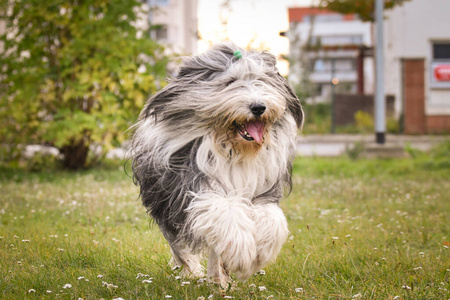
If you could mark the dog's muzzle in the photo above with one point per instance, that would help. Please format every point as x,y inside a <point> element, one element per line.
<point>251,131</point>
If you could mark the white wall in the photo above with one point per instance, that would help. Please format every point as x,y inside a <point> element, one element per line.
<point>180,16</point>
<point>409,30</point>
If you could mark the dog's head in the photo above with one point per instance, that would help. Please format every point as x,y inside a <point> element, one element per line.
<point>236,95</point>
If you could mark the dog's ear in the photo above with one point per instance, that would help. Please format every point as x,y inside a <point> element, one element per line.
<point>293,104</point>
<point>157,104</point>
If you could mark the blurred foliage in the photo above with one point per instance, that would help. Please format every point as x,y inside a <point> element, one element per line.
<point>363,8</point>
<point>317,118</point>
<point>318,121</point>
<point>363,121</point>
<point>75,75</point>
<point>435,159</point>
<point>355,151</point>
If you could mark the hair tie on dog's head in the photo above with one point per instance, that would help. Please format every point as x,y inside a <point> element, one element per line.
<point>237,54</point>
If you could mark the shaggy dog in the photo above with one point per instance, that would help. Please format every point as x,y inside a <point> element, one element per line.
<point>212,153</point>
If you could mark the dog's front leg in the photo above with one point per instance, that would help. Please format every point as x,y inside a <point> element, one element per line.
<point>217,272</point>
<point>224,225</point>
<point>271,232</point>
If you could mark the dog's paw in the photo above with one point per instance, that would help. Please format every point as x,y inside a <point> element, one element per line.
<point>224,281</point>
<point>197,272</point>
<point>240,254</point>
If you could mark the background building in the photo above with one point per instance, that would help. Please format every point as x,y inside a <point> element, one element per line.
<point>326,45</point>
<point>175,24</point>
<point>417,64</point>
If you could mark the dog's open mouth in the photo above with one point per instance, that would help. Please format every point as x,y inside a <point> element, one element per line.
<point>251,131</point>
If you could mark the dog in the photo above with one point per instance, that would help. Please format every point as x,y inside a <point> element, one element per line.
<point>212,154</point>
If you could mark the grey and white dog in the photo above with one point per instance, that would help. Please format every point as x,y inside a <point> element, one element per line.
<point>212,153</point>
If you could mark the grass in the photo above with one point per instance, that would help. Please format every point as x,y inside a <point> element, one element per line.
<point>360,229</point>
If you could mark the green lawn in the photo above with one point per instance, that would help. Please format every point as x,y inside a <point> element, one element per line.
<point>360,229</point>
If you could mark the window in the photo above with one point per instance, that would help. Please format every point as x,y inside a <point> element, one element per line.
<point>336,40</point>
<point>158,2</point>
<point>325,18</point>
<point>440,65</point>
<point>441,51</point>
<point>160,32</point>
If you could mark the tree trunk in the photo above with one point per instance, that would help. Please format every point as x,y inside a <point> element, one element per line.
<point>75,155</point>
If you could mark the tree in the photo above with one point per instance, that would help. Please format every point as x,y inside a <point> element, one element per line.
<point>74,75</point>
<point>363,8</point>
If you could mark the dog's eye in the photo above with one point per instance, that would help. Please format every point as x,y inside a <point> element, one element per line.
<point>231,82</point>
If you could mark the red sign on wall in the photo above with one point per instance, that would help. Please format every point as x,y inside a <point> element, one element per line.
<point>441,72</point>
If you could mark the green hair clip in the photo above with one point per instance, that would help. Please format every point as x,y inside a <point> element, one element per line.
<point>237,54</point>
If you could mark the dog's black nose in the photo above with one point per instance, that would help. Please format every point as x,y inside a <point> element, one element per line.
<point>258,109</point>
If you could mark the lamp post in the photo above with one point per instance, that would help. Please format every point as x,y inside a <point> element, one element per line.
<point>334,83</point>
<point>380,102</point>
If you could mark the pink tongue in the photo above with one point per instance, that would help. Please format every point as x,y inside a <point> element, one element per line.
<point>256,130</point>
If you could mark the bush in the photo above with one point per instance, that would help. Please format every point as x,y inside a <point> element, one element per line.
<point>317,118</point>
<point>75,74</point>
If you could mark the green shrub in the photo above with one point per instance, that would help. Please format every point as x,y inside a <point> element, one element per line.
<point>363,122</point>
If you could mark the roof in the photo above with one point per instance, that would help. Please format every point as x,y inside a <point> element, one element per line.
<point>297,14</point>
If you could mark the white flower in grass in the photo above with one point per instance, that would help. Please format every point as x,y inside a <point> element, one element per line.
<point>261,272</point>
<point>357,296</point>
<point>421,254</point>
<point>262,288</point>
<point>31,291</point>
<point>201,298</point>
<point>270,297</point>
<point>299,290</point>
<point>48,291</point>
<point>335,238</point>
<point>406,287</point>
<point>177,277</point>
<point>168,296</point>
<point>118,298</point>
<point>99,276</point>
<point>183,283</point>
<point>26,241</point>
<point>228,297</point>
<point>146,281</point>
<point>210,296</point>
<point>67,286</point>
<point>80,277</point>
<point>418,268</point>
<point>396,297</point>
<point>202,280</point>
<point>109,286</point>
<point>139,275</point>
<point>252,285</point>
<point>61,250</point>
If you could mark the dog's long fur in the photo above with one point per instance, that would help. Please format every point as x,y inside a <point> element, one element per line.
<point>211,168</point>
